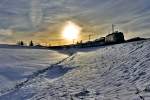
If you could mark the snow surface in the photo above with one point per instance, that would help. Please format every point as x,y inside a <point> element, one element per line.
<point>17,64</point>
<point>117,72</point>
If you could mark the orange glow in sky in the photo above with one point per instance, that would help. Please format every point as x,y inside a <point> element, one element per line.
<point>71,31</point>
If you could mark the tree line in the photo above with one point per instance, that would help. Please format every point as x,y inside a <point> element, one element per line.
<point>21,43</point>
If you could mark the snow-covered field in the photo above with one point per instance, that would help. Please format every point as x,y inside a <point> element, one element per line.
<point>17,64</point>
<point>117,72</point>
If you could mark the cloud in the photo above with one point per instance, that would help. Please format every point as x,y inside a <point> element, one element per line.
<point>47,16</point>
<point>6,32</point>
<point>129,15</point>
<point>36,13</point>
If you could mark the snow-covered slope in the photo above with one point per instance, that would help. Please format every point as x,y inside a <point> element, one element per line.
<point>117,72</point>
<point>17,64</point>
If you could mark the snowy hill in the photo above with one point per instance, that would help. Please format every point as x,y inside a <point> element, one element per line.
<point>117,72</point>
<point>17,64</point>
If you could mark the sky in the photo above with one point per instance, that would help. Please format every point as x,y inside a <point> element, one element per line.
<point>42,20</point>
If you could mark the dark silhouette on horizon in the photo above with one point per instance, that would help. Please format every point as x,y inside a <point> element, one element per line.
<point>31,43</point>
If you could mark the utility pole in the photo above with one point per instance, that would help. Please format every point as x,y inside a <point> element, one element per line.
<point>90,37</point>
<point>73,41</point>
<point>113,28</point>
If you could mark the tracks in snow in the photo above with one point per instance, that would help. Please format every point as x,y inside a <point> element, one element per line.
<point>34,75</point>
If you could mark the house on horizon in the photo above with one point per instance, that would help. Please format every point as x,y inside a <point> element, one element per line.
<point>115,37</point>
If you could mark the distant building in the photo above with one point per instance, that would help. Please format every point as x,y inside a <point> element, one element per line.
<point>102,39</point>
<point>135,39</point>
<point>115,37</point>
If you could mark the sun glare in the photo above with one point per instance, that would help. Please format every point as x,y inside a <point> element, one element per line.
<point>71,31</point>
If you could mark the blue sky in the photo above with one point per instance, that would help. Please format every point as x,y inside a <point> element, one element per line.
<point>43,19</point>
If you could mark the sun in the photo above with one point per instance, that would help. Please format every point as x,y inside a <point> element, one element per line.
<point>71,31</point>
